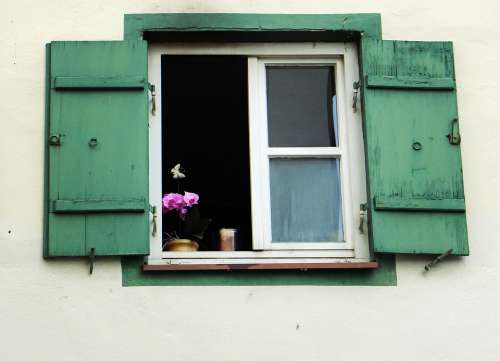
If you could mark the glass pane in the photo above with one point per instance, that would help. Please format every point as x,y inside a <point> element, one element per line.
<point>300,106</point>
<point>305,200</point>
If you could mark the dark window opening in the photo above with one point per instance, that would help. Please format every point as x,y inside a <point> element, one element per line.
<point>205,129</point>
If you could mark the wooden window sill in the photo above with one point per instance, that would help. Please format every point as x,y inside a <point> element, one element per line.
<point>259,266</point>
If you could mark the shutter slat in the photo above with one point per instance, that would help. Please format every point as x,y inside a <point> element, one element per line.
<point>376,81</point>
<point>124,82</point>
<point>98,206</point>
<point>415,204</point>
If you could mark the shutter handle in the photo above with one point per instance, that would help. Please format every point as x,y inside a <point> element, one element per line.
<point>55,139</point>
<point>92,142</point>
<point>454,135</point>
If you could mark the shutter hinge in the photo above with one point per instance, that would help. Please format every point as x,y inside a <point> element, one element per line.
<point>356,85</point>
<point>152,89</point>
<point>154,212</point>
<point>439,258</point>
<point>363,207</point>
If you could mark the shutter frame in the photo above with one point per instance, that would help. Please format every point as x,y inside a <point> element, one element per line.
<point>414,173</point>
<point>96,149</point>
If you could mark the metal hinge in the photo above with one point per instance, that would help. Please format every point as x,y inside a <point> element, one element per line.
<point>152,89</point>
<point>363,207</point>
<point>356,85</point>
<point>154,212</point>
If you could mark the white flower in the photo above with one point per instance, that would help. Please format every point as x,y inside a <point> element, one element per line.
<point>176,173</point>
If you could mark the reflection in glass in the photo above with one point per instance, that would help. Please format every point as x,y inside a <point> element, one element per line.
<point>299,106</point>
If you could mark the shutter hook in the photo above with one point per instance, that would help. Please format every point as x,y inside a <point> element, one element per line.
<point>92,260</point>
<point>439,258</point>
<point>152,89</point>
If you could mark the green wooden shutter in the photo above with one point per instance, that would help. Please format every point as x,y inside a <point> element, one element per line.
<point>97,147</point>
<point>416,195</point>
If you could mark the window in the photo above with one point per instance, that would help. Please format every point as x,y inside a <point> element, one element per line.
<point>295,140</point>
<point>99,163</point>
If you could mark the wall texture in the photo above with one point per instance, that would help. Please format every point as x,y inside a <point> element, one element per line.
<point>55,311</point>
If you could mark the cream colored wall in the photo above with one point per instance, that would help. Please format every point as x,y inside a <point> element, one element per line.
<point>55,311</point>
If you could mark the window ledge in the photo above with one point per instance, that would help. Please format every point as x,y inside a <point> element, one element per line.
<point>251,264</point>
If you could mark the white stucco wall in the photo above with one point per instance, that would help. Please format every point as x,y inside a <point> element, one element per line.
<point>55,311</point>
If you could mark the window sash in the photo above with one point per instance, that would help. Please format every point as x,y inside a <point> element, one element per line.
<point>306,53</point>
<point>261,154</point>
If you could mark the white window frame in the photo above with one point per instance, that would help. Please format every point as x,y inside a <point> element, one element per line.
<point>343,56</point>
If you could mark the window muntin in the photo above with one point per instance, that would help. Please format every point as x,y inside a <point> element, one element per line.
<point>333,55</point>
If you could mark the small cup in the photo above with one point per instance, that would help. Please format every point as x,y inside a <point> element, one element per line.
<point>227,237</point>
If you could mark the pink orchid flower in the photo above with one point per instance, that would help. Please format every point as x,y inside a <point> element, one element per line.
<point>191,198</point>
<point>173,201</point>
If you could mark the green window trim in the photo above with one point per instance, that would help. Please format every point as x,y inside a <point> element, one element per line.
<point>343,26</point>
<point>384,275</point>
<point>368,24</point>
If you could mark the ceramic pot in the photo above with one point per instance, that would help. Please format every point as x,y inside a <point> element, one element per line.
<point>182,245</point>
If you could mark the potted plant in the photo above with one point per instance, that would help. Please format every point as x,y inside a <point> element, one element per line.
<point>190,225</point>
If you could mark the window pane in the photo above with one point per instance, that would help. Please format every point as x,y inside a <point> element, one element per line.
<point>305,200</point>
<point>299,106</point>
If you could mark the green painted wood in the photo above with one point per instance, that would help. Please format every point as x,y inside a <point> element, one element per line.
<point>136,24</point>
<point>116,167</point>
<point>384,275</point>
<point>72,82</point>
<point>395,121</point>
<point>375,81</point>
<point>416,204</point>
<point>99,206</point>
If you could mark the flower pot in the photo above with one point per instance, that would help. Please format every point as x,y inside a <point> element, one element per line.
<point>182,245</point>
